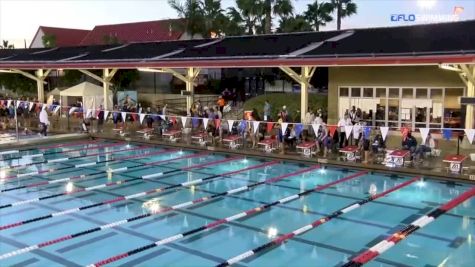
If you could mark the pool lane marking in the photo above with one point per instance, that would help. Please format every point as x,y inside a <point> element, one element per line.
<point>21,166</point>
<point>49,147</point>
<point>279,240</point>
<point>55,146</point>
<point>91,174</point>
<point>395,238</point>
<point>160,211</point>
<point>228,219</point>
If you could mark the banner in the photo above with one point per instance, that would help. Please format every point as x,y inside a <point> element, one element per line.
<point>424,134</point>
<point>316,127</point>
<point>183,121</point>
<point>284,127</point>
<point>205,123</point>
<point>470,134</point>
<point>124,116</point>
<point>384,132</point>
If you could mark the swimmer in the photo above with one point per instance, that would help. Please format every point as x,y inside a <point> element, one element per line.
<point>373,189</point>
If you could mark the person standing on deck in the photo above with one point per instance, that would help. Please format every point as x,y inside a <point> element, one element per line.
<point>44,121</point>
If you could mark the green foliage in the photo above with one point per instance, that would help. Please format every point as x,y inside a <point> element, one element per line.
<point>70,77</point>
<point>318,14</point>
<point>344,8</point>
<point>291,100</point>
<point>294,24</point>
<point>6,45</point>
<point>49,40</point>
<point>18,83</point>
<point>110,40</point>
<point>123,79</point>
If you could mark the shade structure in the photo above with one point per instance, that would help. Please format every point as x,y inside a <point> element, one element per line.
<point>92,95</point>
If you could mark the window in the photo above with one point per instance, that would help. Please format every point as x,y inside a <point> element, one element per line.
<point>407,93</point>
<point>355,92</point>
<point>452,111</point>
<point>436,94</point>
<point>381,92</point>
<point>421,93</point>
<point>367,92</point>
<point>393,93</point>
<point>344,91</point>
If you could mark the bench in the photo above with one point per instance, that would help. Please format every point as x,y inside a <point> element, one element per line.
<point>268,145</point>
<point>172,135</point>
<point>147,133</point>
<point>232,141</point>
<point>307,149</point>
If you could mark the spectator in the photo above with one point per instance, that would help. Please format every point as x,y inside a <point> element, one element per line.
<point>267,110</point>
<point>378,143</point>
<point>44,121</point>
<point>409,143</point>
<point>342,123</point>
<point>428,146</point>
<point>221,103</point>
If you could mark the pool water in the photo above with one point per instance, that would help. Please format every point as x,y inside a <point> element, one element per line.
<point>445,242</point>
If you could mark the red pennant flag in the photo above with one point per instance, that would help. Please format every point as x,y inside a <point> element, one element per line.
<point>134,116</point>
<point>217,123</point>
<point>331,129</point>
<point>173,120</point>
<point>270,125</point>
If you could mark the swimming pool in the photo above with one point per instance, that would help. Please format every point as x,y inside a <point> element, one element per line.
<point>104,202</point>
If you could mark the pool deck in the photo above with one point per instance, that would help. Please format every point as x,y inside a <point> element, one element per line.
<point>430,167</point>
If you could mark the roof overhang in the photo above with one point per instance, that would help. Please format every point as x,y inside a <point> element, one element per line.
<point>248,63</point>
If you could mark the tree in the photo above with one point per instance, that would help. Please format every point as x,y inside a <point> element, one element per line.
<point>344,8</point>
<point>318,14</point>
<point>247,16</point>
<point>213,16</point>
<point>6,45</point>
<point>124,78</point>
<point>281,8</point>
<point>191,13</point>
<point>49,40</point>
<point>110,40</point>
<point>294,24</point>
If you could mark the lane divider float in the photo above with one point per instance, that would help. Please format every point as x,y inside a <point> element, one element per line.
<point>397,237</point>
<point>149,192</point>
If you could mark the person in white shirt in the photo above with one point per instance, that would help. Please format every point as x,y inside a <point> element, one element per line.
<point>345,121</point>
<point>44,121</point>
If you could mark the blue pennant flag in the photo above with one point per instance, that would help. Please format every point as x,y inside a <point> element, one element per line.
<point>447,133</point>
<point>298,129</point>
<point>195,122</point>
<point>242,126</point>
<point>367,132</point>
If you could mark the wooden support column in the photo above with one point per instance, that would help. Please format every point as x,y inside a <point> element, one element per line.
<point>303,79</point>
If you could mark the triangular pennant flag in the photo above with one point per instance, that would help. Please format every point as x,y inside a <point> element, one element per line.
<point>424,134</point>
<point>447,133</point>
<point>134,116</point>
<point>230,125</point>
<point>56,109</point>
<point>470,134</point>
<point>298,129</point>
<point>173,120</point>
<point>8,103</point>
<point>72,110</point>
<point>162,117</point>
<point>205,123</point>
<point>217,123</point>
<point>332,130</point>
<point>384,132</point>
<point>348,129</point>
<point>195,122</point>
<point>367,132</point>
<point>30,106</point>
<point>243,126</point>
<point>106,113</point>
<point>255,125</point>
<point>183,121</point>
<point>18,104</point>
<point>142,116</point>
<point>88,113</point>
<point>356,131</point>
<point>270,125</point>
<point>284,127</point>
<point>316,127</point>
<point>124,116</point>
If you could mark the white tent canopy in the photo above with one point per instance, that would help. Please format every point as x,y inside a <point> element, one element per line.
<point>92,95</point>
<point>55,93</point>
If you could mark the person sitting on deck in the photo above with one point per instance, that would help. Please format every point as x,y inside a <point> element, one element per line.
<point>427,147</point>
<point>290,137</point>
<point>409,143</point>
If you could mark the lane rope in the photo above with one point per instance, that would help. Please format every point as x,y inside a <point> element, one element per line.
<point>114,200</point>
<point>397,237</point>
<point>228,219</point>
<point>279,240</point>
<point>158,211</point>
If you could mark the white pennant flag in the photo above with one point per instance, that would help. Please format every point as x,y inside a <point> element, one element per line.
<point>230,125</point>
<point>470,134</point>
<point>124,115</point>
<point>8,103</point>
<point>106,113</point>
<point>348,129</point>
<point>205,123</point>
<point>89,113</point>
<point>183,121</point>
<point>284,127</point>
<point>162,117</point>
<point>356,131</point>
<point>384,132</point>
<point>142,116</point>
<point>255,124</point>
<point>424,134</point>
<point>30,106</point>
<point>56,109</point>
<point>72,110</point>
<point>18,104</point>
<point>316,127</point>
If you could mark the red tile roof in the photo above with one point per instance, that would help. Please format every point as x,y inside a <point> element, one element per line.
<point>148,31</point>
<point>64,36</point>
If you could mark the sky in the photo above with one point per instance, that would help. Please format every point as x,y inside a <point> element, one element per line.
<point>20,19</point>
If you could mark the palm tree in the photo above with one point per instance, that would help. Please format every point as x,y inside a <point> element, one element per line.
<point>318,14</point>
<point>281,8</point>
<point>344,8</point>
<point>213,17</point>
<point>191,14</point>
<point>294,24</point>
<point>6,45</point>
<point>246,16</point>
